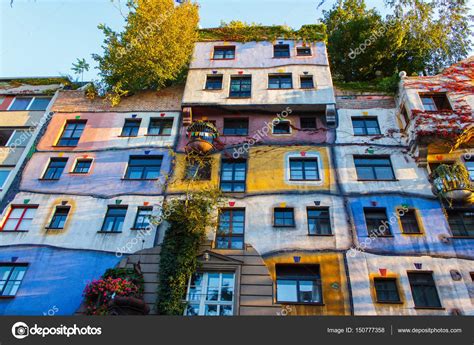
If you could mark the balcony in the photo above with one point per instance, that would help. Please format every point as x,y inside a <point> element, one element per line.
<point>202,136</point>
<point>452,182</point>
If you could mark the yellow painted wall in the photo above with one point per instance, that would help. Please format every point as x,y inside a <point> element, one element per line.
<point>265,171</point>
<point>20,118</point>
<point>10,156</point>
<point>336,300</point>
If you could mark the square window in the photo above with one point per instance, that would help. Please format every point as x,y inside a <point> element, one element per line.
<point>82,166</point>
<point>318,221</point>
<point>143,167</point>
<point>281,51</point>
<point>282,127</point>
<point>71,133</point>
<point>409,222</point>
<point>19,218</point>
<point>374,168</point>
<point>280,81</point>
<point>160,126</point>
<point>224,53</point>
<point>214,82</point>
<point>377,222</point>
<point>435,102</point>
<point>131,127</point>
<point>307,82</point>
<point>283,217</point>
<point>39,103</point>
<point>308,123</point>
<point>114,219</point>
<point>423,288</point>
<point>143,219</point>
<point>386,290</point>
<point>59,218</point>
<point>236,126</point>
<point>304,169</point>
<point>303,51</point>
<point>364,125</point>
<point>20,103</point>
<point>298,284</point>
<point>461,222</point>
<point>11,276</point>
<point>233,176</point>
<point>198,170</point>
<point>55,168</point>
<point>230,231</point>
<point>240,87</point>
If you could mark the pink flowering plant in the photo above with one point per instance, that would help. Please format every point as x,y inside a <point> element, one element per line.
<point>99,292</point>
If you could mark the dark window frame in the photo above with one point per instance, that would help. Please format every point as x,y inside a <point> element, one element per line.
<point>232,121</point>
<point>374,157</point>
<point>279,131</point>
<point>145,168</point>
<point>131,131</point>
<point>364,120</point>
<point>213,80</point>
<point>226,51</point>
<point>378,298</point>
<point>58,217</point>
<point>73,139</point>
<point>77,166</point>
<point>239,81</point>
<point>12,266</point>
<point>233,182</point>
<point>298,278</point>
<point>230,235</point>
<point>281,51</point>
<point>136,224</point>
<point>304,170</point>
<point>165,123</point>
<point>307,118</point>
<point>440,100</point>
<point>370,231</point>
<point>280,79</point>
<point>55,175</point>
<point>417,303</point>
<point>305,49</point>
<point>115,217</point>
<point>307,78</point>
<point>465,231</point>
<point>318,220</point>
<point>412,212</point>
<point>284,210</point>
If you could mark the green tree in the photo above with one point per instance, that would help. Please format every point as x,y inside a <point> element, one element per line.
<point>152,51</point>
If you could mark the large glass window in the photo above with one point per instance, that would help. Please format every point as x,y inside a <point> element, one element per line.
<point>11,276</point>
<point>280,81</point>
<point>365,125</point>
<point>71,133</point>
<point>318,221</point>
<point>240,86</point>
<point>374,168</point>
<point>461,222</point>
<point>19,218</point>
<point>435,102</point>
<point>211,294</point>
<point>131,127</point>
<point>236,126</point>
<point>143,167</point>
<point>214,82</point>
<point>160,127</point>
<point>143,219</point>
<point>281,50</point>
<point>233,175</point>
<point>298,284</point>
<point>377,222</point>
<point>55,168</point>
<point>223,53</point>
<point>20,103</point>
<point>230,231</point>
<point>386,290</point>
<point>283,216</point>
<point>424,290</point>
<point>59,218</point>
<point>114,219</point>
<point>410,222</point>
<point>304,169</point>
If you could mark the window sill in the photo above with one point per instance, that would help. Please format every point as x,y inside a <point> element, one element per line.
<point>430,308</point>
<point>48,179</point>
<point>308,180</point>
<point>61,146</point>
<point>384,236</point>
<point>54,229</point>
<point>109,232</point>
<point>284,226</point>
<point>127,136</point>
<point>12,231</point>
<point>78,173</point>
<point>239,97</point>
<point>213,89</point>
<point>302,303</point>
<point>139,179</point>
<point>321,235</point>
<point>281,57</point>
<point>413,233</point>
<point>388,180</point>
<point>389,302</point>
<point>225,59</point>
<point>280,88</point>
<point>157,135</point>
<point>142,229</point>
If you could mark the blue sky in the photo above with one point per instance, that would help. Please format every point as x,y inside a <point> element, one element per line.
<point>44,37</point>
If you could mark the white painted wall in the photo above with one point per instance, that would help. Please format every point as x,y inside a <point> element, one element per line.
<point>453,294</point>
<point>84,222</point>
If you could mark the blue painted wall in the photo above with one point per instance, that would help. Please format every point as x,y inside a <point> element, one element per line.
<point>55,279</point>
<point>434,224</point>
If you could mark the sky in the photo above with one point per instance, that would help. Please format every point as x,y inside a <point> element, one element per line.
<point>44,37</point>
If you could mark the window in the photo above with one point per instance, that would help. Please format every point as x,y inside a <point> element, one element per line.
<point>59,218</point>
<point>461,222</point>
<point>298,284</point>
<point>307,82</point>
<point>282,127</point>
<point>365,125</point>
<point>55,168</point>
<point>410,223</point>
<point>230,232</point>
<point>19,218</point>
<point>424,290</point>
<point>199,170</point>
<point>214,82</point>
<point>308,123</point>
<point>377,222</point>
<point>236,126</point>
<point>435,102</point>
<point>82,166</point>
<point>143,167</point>
<point>71,133</point>
<point>5,135</point>
<point>18,138</point>
<point>386,290</point>
<point>233,175</point>
<point>304,169</point>
<point>470,168</point>
<point>39,103</point>
<point>280,81</point>
<point>11,276</point>
<point>131,127</point>
<point>318,221</point>
<point>303,51</point>
<point>281,50</point>
<point>20,103</point>
<point>240,86</point>
<point>114,219</point>
<point>4,174</point>
<point>374,168</point>
<point>223,53</point>
<point>283,217</point>
<point>142,221</point>
<point>160,127</point>
<point>210,294</point>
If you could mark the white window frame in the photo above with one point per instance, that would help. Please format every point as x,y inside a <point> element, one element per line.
<point>283,134</point>
<point>29,104</point>
<point>308,154</point>
<point>202,299</point>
